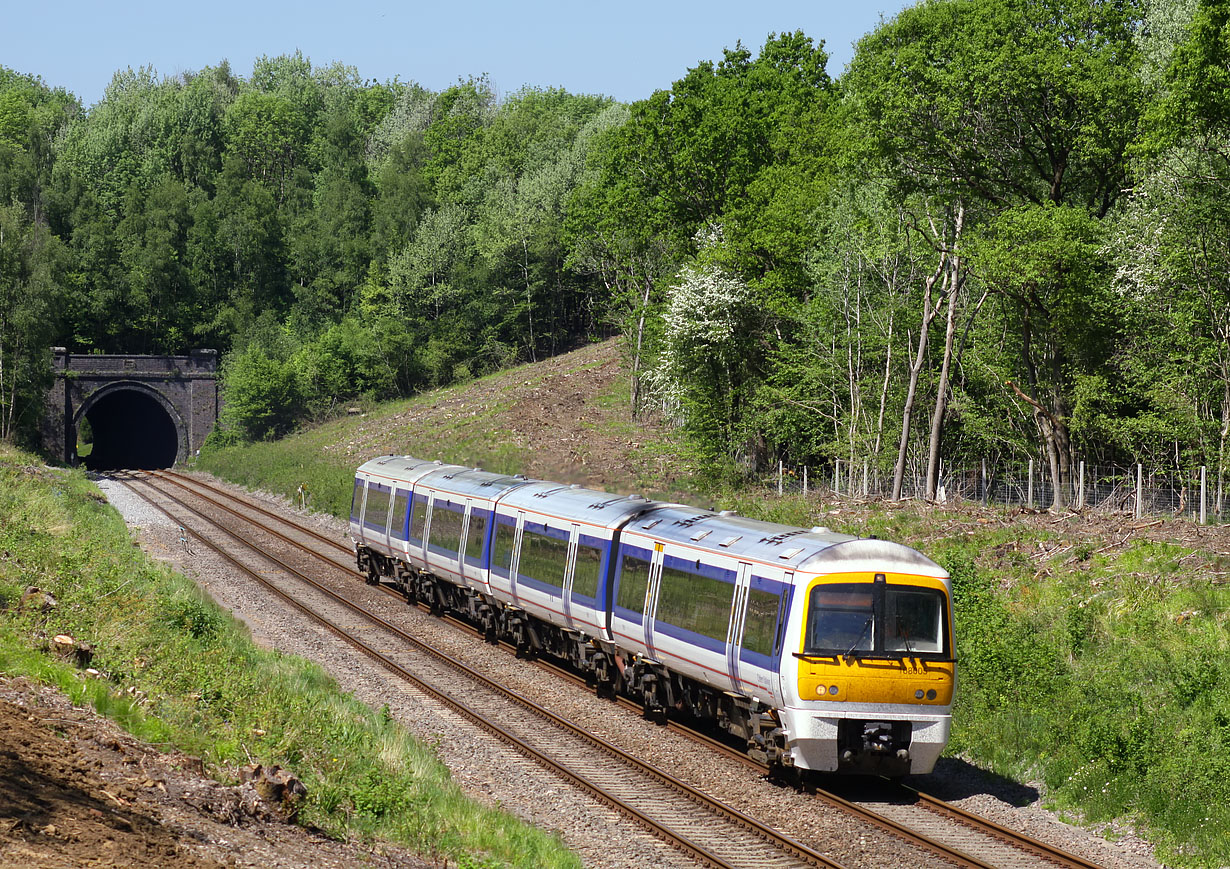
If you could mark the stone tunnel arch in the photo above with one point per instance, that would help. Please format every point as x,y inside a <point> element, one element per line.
<point>129,431</point>
<point>148,411</point>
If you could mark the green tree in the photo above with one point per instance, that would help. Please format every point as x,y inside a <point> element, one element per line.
<point>985,105</point>
<point>268,135</point>
<point>1171,252</point>
<point>31,263</point>
<point>261,392</point>
<point>703,373</point>
<point>1053,294</point>
<point>740,147</point>
<point>159,309</point>
<point>32,118</point>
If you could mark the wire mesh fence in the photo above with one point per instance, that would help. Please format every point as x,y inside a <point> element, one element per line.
<point>1198,494</point>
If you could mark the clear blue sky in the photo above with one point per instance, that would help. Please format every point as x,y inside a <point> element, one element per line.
<point>625,49</point>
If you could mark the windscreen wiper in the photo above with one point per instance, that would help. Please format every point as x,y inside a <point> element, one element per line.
<point>849,656</point>
<point>904,633</point>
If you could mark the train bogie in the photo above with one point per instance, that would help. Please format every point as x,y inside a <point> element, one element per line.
<point>822,651</point>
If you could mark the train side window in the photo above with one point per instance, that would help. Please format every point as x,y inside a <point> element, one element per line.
<point>376,514</point>
<point>633,581</point>
<point>544,554</point>
<point>588,567</point>
<point>446,521</point>
<point>476,536</point>
<point>502,544</point>
<point>418,517</point>
<point>695,602</point>
<point>356,500</point>
<point>401,500</point>
<point>760,623</point>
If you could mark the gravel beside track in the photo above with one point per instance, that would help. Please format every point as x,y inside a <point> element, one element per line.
<point>492,772</point>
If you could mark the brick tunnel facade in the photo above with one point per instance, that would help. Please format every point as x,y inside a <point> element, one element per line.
<point>141,411</point>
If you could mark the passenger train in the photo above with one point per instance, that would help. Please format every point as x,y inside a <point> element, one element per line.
<point>823,651</point>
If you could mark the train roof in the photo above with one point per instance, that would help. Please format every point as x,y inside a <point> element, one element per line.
<point>870,555</point>
<point>736,536</point>
<point>577,504</point>
<point>404,469</point>
<point>816,550</point>
<point>800,549</point>
<point>471,482</point>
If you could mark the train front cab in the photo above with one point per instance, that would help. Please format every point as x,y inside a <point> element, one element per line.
<point>869,689</point>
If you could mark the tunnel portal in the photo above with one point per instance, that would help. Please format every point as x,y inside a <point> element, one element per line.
<point>130,430</point>
<point>138,411</point>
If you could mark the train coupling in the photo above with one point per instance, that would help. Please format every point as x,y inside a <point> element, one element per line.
<point>875,747</point>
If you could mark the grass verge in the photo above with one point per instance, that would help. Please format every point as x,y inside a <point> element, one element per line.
<point>212,693</point>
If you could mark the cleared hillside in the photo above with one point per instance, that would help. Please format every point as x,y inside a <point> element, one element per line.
<point>565,418</point>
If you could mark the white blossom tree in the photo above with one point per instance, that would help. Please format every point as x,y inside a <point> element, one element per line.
<point>703,372</point>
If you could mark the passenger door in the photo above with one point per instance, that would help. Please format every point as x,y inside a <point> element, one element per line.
<point>734,633</point>
<point>570,569</point>
<point>516,559</point>
<point>651,596</point>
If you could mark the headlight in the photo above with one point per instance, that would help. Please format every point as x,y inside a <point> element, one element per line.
<point>833,690</point>
<point>918,695</point>
<point>931,694</point>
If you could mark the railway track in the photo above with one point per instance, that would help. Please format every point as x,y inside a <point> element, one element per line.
<point>706,829</point>
<point>930,824</point>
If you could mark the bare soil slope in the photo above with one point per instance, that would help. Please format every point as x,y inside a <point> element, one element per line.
<point>565,418</point>
<point>76,790</point>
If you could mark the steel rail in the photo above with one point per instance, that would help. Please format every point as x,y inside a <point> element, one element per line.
<point>990,828</point>
<point>778,840</point>
<point>934,804</point>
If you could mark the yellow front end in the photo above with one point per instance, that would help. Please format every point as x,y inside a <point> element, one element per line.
<point>875,673</point>
<point>912,681</point>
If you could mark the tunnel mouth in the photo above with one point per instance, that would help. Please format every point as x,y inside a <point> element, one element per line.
<point>130,430</point>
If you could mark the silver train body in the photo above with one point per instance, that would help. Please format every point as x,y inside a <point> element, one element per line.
<point>825,652</point>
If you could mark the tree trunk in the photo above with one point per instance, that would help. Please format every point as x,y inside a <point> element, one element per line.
<point>529,296</point>
<point>636,353</point>
<point>888,367</point>
<point>1225,426</point>
<point>915,367</point>
<point>854,361</point>
<point>955,281</point>
<point>1051,424</point>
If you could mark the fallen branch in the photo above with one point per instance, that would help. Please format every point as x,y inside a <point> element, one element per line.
<point>1117,543</point>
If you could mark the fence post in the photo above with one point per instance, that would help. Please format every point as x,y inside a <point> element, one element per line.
<point>837,477</point>
<point>1029,497</point>
<point>805,481</point>
<point>984,483</point>
<point>779,478</point>
<point>1080,491</point>
<point>865,478</point>
<point>1204,483</point>
<point>1140,489</point>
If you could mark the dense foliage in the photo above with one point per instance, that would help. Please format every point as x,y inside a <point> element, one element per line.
<point>1001,233</point>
